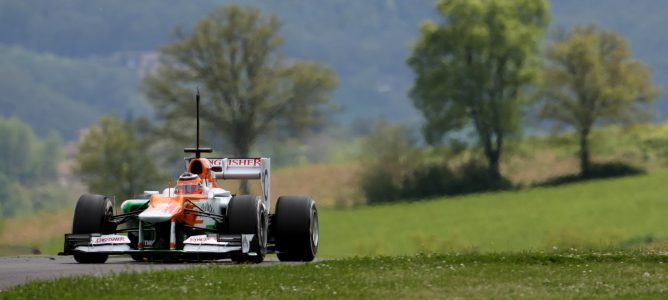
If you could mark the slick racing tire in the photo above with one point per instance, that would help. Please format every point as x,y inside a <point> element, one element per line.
<point>246,215</point>
<point>92,215</point>
<point>296,228</point>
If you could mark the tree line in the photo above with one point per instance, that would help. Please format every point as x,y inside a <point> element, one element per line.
<point>482,65</point>
<point>86,35</point>
<point>29,170</point>
<point>480,68</point>
<point>486,67</point>
<point>250,92</point>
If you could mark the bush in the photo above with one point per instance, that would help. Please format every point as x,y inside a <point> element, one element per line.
<point>380,188</point>
<point>474,177</point>
<point>429,180</point>
<point>614,169</point>
<point>395,170</point>
<point>389,152</point>
<point>438,180</point>
<point>597,171</point>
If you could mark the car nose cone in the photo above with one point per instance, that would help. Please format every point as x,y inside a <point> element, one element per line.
<point>155,216</point>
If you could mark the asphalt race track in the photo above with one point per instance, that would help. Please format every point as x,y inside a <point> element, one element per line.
<point>15,270</point>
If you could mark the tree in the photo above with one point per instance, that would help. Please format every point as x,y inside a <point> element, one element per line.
<point>591,79</point>
<point>250,90</point>
<point>112,161</point>
<point>473,68</point>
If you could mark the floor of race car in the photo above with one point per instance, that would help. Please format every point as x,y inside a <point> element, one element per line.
<point>15,270</point>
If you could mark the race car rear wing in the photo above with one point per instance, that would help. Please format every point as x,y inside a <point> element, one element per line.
<point>240,168</point>
<point>244,169</point>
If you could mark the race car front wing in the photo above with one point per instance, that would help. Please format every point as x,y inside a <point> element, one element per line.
<point>121,244</point>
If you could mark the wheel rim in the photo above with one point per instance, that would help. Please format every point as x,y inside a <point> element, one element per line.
<point>108,214</point>
<point>314,227</point>
<point>261,230</point>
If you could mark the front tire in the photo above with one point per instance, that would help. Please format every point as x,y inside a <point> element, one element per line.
<point>92,215</point>
<point>247,215</point>
<point>296,228</point>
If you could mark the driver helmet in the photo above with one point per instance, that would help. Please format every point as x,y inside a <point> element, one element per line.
<point>189,183</point>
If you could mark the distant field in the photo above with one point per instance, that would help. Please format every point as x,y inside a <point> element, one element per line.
<point>41,233</point>
<point>626,275</point>
<point>619,213</point>
<point>331,185</point>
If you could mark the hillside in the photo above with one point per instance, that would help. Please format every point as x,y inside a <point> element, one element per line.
<point>604,214</point>
<point>366,42</point>
<point>334,186</point>
<point>63,95</point>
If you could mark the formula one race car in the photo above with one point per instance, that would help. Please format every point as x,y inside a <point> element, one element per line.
<point>197,220</point>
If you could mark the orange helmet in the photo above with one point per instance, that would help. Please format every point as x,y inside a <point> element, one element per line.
<point>189,183</point>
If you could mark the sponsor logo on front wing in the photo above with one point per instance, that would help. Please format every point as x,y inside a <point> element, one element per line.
<point>200,239</point>
<point>203,239</point>
<point>109,239</point>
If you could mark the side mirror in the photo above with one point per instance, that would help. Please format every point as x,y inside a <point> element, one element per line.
<point>217,168</point>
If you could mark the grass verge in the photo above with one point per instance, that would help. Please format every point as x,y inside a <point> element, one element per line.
<point>633,275</point>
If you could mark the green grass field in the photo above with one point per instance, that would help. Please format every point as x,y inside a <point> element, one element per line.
<point>470,276</point>
<point>618,213</point>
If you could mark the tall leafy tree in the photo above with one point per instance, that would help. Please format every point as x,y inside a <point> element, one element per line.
<point>472,69</point>
<point>592,79</point>
<point>112,161</point>
<point>250,90</point>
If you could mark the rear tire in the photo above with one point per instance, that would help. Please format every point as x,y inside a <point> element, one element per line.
<point>296,228</point>
<point>247,215</point>
<point>92,215</point>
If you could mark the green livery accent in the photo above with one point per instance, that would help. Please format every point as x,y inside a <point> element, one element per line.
<point>132,205</point>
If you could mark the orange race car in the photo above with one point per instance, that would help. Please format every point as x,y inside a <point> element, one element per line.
<point>197,220</point>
